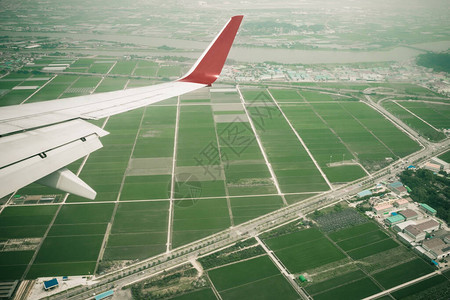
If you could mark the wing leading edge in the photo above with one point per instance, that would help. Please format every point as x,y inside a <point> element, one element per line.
<point>38,140</point>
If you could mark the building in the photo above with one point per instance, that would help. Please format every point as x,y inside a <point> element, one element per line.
<point>394,220</point>
<point>405,239</point>
<point>104,295</point>
<point>432,167</point>
<point>428,209</point>
<point>401,226</point>
<point>437,248</point>
<point>397,187</point>
<point>415,233</point>
<point>447,239</point>
<point>445,166</point>
<point>382,208</point>
<point>424,252</point>
<point>409,214</point>
<point>51,284</point>
<point>364,193</point>
<point>401,202</point>
<point>429,226</point>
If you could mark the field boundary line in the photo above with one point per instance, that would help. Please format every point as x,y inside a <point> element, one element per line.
<point>213,287</point>
<point>27,98</point>
<point>400,286</point>
<point>283,270</point>
<point>227,193</point>
<point>301,141</point>
<point>406,109</point>
<point>369,131</point>
<point>235,262</point>
<point>251,282</point>
<point>368,275</point>
<point>310,104</point>
<point>366,245</point>
<point>172,182</point>
<point>261,148</point>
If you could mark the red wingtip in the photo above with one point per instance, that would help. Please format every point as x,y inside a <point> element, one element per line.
<point>208,67</point>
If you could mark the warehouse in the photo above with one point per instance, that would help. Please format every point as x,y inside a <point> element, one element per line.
<point>394,220</point>
<point>401,203</point>
<point>429,226</point>
<point>437,248</point>
<point>415,233</point>
<point>382,208</point>
<point>401,226</point>
<point>409,214</point>
<point>428,209</point>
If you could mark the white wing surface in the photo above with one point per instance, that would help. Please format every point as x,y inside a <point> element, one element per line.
<point>37,140</point>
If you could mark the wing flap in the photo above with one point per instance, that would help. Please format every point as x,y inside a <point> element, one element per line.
<point>15,148</point>
<point>24,172</point>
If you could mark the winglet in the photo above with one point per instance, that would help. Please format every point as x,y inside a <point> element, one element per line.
<point>207,68</point>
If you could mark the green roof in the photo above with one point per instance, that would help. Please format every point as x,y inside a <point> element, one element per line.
<point>396,218</point>
<point>427,207</point>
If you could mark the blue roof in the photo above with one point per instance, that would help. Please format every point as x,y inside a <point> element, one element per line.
<point>104,295</point>
<point>364,193</point>
<point>396,184</point>
<point>411,167</point>
<point>50,283</point>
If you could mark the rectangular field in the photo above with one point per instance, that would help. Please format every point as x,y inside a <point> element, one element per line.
<point>256,278</point>
<point>412,121</point>
<point>195,219</point>
<point>403,273</point>
<point>304,250</point>
<point>247,208</point>
<point>139,230</point>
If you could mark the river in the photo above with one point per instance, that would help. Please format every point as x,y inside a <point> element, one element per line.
<point>193,49</point>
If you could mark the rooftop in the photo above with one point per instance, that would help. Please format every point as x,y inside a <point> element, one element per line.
<point>50,283</point>
<point>408,213</point>
<point>396,184</point>
<point>434,243</point>
<point>382,206</point>
<point>401,201</point>
<point>427,207</point>
<point>396,218</point>
<point>427,225</point>
<point>413,229</point>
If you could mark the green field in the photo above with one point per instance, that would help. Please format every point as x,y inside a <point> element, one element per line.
<point>347,233</point>
<point>139,230</point>
<point>403,273</point>
<point>169,71</point>
<point>293,167</point>
<point>196,219</point>
<point>304,250</point>
<point>354,290</point>
<point>55,89</point>
<point>373,248</point>
<point>445,156</point>
<point>421,288</point>
<point>124,67</point>
<point>412,121</point>
<point>256,278</point>
<point>247,208</point>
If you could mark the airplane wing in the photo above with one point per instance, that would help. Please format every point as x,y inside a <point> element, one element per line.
<point>37,140</point>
